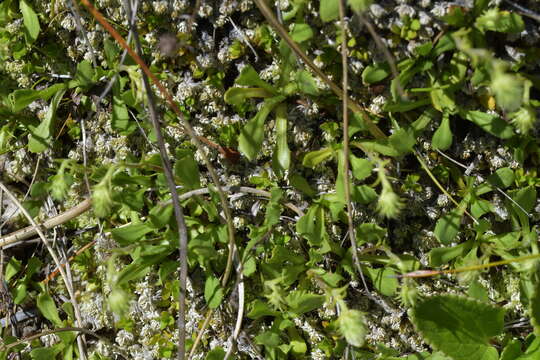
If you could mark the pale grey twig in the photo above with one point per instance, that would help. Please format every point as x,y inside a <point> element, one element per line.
<point>69,285</point>
<point>386,52</point>
<point>235,189</point>
<point>19,316</point>
<point>30,231</point>
<point>244,38</point>
<point>74,7</point>
<point>178,209</point>
<point>524,11</point>
<point>240,311</point>
<point>346,176</point>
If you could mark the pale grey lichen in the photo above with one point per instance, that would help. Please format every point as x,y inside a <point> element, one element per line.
<point>442,200</point>
<point>377,10</point>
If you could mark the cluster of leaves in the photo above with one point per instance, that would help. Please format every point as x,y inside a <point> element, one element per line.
<point>449,87</point>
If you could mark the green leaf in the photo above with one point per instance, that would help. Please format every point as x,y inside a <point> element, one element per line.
<point>359,5</point>
<point>314,158</point>
<point>503,178</point>
<point>139,268</point>
<point>85,74</point>
<point>375,73</point>
<point>361,168</point>
<point>492,124</point>
<point>187,169</point>
<point>260,309</point>
<point>102,201</point>
<point>370,233</point>
<point>300,183</point>
<point>120,116</point>
<point>249,77</point>
<point>532,352</point>
<point>312,226</point>
<point>19,295</point>
<point>380,146</point>
<point>525,197</point>
<point>442,256</point>
<point>506,241</point>
<point>30,21</point>
<point>216,354</point>
<point>19,99</point>
<point>306,83</point>
<point>161,215</point>
<point>447,226</point>
<point>329,10</point>
<point>500,21</point>
<point>477,291</point>
<point>442,138</point>
<point>402,140</point>
<point>213,293</point>
<point>352,327</point>
<point>252,134</point>
<point>46,353</point>
<point>459,327</point>
<point>111,51</point>
<point>40,137</point>
<point>523,119</point>
<point>404,106</point>
<point>273,209</point>
<point>511,351</point>
<point>363,194</point>
<point>281,157</point>
<point>301,32</point>
<point>12,268</point>
<point>384,280</point>
<point>455,17</point>
<point>269,339</point>
<point>508,90</point>
<point>237,96</point>
<point>48,309</point>
<point>479,207</point>
<point>130,234</point>
<point>32,267</point>
<point>458,67</point>
<point>118,300</point>
<point>301,302</point>
<point>442,99</point>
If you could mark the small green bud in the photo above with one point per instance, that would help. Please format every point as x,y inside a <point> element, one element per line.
<point>118,301</point>
<point>523,119</point>
<point>101,198</point>
<point>389,203</point>
<point>351,325</point>
<point>60,184</point>
<point>508,90</point>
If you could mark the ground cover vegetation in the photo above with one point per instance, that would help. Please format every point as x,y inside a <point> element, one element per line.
<point>269,180</point>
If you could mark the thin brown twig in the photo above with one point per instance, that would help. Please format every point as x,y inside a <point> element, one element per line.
<point>77,253</point>
<point>346,178</point>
